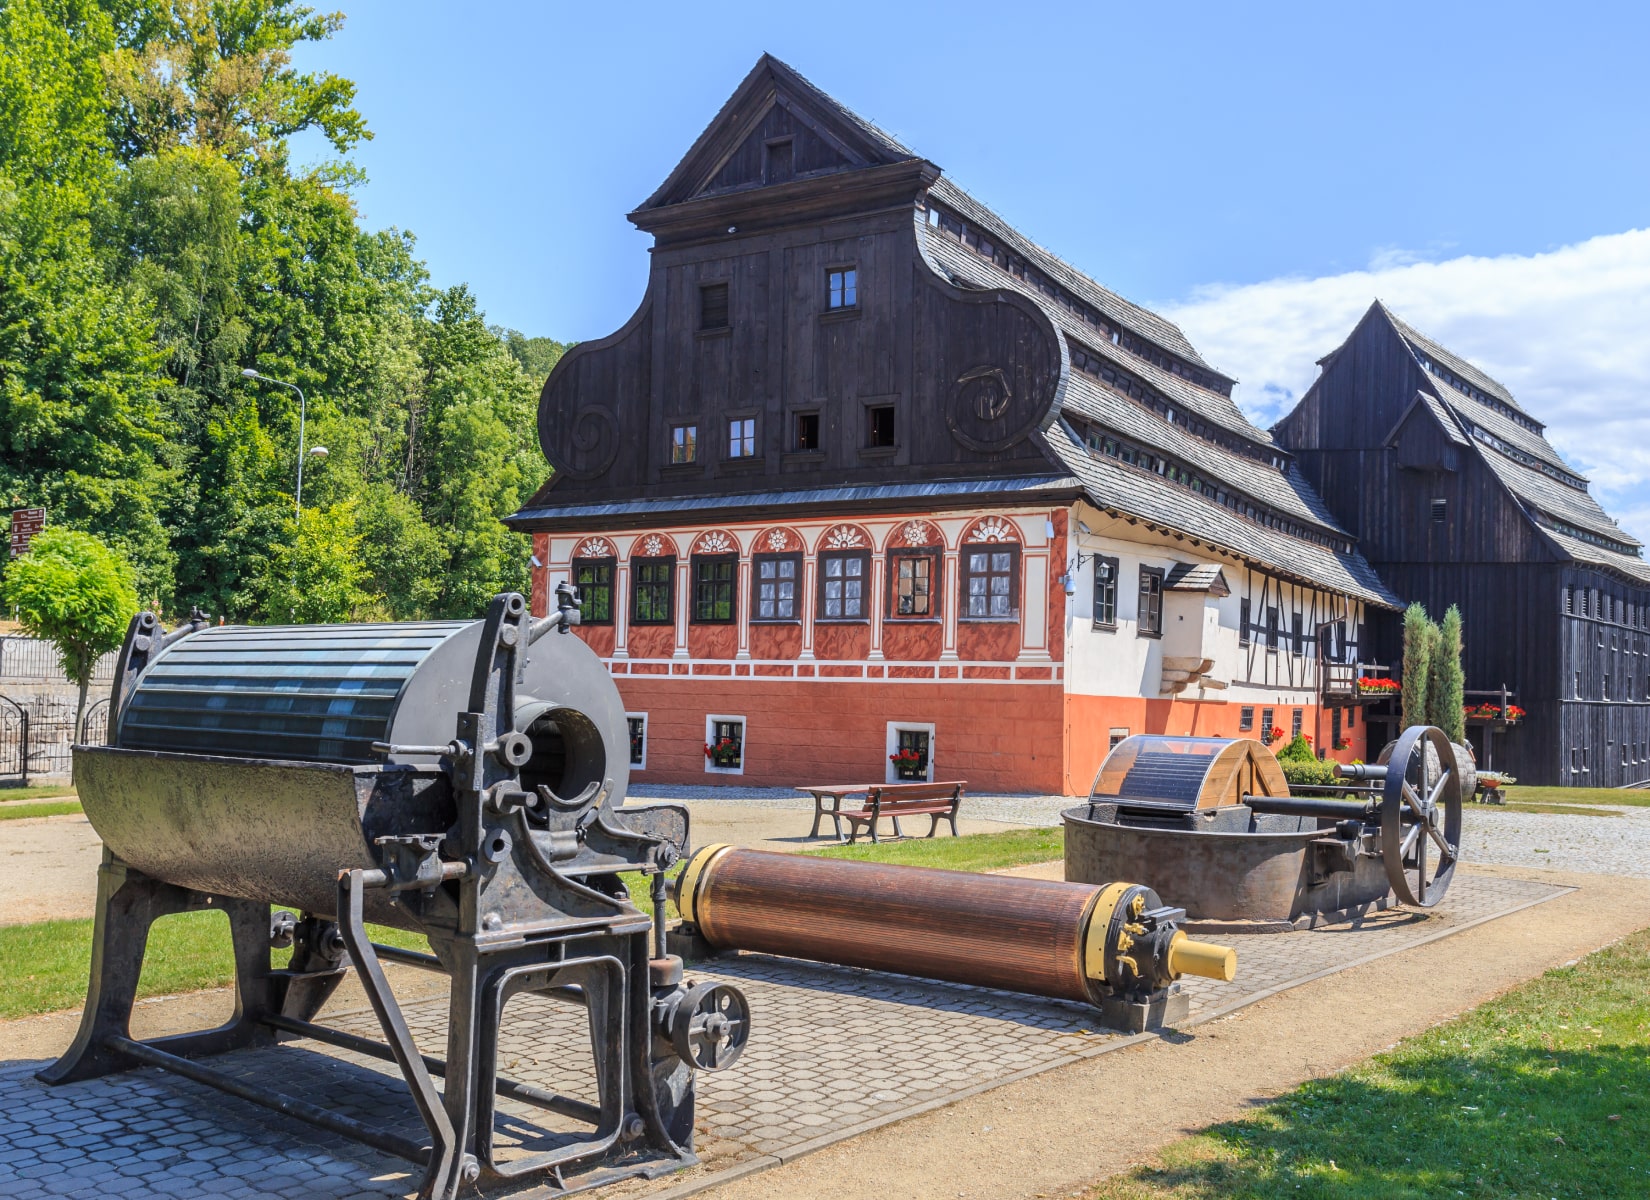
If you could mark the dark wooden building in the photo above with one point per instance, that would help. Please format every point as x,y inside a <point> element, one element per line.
<point>1456,497</point>
<point>868,471</point>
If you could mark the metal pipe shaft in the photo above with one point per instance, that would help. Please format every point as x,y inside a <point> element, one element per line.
<point>1313,806</point>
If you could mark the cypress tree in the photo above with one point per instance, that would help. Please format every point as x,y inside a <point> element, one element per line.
<point>1417,664</point>
<point>1446,683</point>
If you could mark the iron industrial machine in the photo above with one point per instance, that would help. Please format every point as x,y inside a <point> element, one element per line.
<point>1117,947</point>
<point>460,780</point>
<point>1214,819</point>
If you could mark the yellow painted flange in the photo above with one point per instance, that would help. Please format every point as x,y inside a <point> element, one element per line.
<point>688,884</point>
<point>1094,933</point>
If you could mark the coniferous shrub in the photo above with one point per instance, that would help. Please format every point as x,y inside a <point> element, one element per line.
<point>1417,664</point>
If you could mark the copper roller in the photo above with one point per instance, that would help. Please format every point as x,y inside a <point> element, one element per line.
<point>1069,941</point>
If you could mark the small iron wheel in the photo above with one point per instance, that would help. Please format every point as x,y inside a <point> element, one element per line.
<point>710,1026</point>
<point>1421,816</point>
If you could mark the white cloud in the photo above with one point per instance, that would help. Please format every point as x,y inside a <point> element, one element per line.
<point>1568,332</point>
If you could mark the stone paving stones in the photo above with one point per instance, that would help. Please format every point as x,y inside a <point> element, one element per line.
<point>832,1049</point>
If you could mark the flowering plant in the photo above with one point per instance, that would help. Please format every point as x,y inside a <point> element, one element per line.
<point>905,758</point>
<point>1378,683</point>
<point>1343,744</point>
<point>1493,712</point>
<point>724,752</point>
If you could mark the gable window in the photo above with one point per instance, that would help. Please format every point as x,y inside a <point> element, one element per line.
<point>1105,593</point>
<point>776,576</point>
<point>1151,602</point>
<point>842,287</point>
<point>713,579</point>
<point>713,306</point>
<point>594,579</point>
<point>650,580</point>
<point>842,585</point>
<point>805,431</point>
<point>879,425</point>
<point>742,437</point>
<point>911,575</point>
<point>991,579</point>
<point>780,161</point>
<point>684,444</point>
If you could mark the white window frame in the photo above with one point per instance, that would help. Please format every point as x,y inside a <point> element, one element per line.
<point>895,728</point>
<point>744,743</point>
<point>642,717</point>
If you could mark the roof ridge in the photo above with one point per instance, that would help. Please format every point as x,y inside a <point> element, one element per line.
<point>1412,334</point>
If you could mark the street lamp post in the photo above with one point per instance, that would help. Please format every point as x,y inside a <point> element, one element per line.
<point>303,405</point>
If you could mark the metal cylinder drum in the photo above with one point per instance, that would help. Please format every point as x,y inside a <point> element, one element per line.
<point>241,760</point>
<point>1041,937</point>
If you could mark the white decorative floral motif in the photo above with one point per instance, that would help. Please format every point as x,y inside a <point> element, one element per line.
<point>596,548</point>
<point>779,541</point>
<point>916,533</point>
<point>653,546</point>
<point>716,542</point>
<point>993,529</point>
<point>844,537</point>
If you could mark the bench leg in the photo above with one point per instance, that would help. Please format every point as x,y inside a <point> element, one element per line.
<point>934,824</point>
<point>818,812</point>
<point>898,832</point>
<point>953,819</point>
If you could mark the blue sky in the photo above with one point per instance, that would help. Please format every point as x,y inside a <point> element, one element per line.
<point>1194,157</point>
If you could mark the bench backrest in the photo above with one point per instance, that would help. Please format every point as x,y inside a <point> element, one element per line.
<point>893,794</point>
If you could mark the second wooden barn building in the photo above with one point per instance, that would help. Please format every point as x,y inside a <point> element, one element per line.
<point>870,482</point>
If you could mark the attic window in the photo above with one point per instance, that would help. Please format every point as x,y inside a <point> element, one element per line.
<point>713,306</point>
<point>842,287</point>
<point>1440,511</point>
<point>780,162</point>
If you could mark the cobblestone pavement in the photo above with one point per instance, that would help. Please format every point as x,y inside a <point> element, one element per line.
<point>809,1076</point>
<point>1587,845</point>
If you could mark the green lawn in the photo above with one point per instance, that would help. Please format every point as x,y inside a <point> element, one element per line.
<point>972,852</point>
<point>1518,795</point>
<point>49,791</point>
<point>44,967</point>
<point>45,808</point>
<point>1539,1094</point>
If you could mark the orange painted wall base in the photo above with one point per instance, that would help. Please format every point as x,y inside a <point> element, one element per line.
<point>997,737</point>
<point>1089,721</point>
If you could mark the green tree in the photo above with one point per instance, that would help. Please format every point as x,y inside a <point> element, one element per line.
<point>76,593</point>
<point>316,575</point>
<point>1445,680</point>
<point>1417,665</point>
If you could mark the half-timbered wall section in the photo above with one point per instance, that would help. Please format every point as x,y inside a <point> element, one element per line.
<point>839,352</point>
<point>1457,498</point>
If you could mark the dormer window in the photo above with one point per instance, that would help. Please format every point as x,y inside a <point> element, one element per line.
<point>842,287</point>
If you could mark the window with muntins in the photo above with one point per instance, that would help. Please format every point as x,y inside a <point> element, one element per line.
<point>842,287</point>
<point>776,581</point>
<point>1243,623</point>
<point>742,437</point>
<point>1266,716</point>
<point>1295,724</point>
<point>1151,602</point>
<point>594,579</point>
<point>713,587</point>
<point>1246,718</point>
<point>1271,628</point>
<point>638,740</point>
<point>991,582</point>
<point>650,580</point>
<point>912,582</point>
<point>843,585</point>
<point>1105,593</point>
<point>684,444</point>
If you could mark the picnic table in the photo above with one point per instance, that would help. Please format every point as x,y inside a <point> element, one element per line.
<point>936,801</point>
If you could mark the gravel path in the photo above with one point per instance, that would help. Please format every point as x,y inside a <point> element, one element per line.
<point>1587,845</point>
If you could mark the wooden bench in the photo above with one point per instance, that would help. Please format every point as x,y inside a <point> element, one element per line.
<point>936,801</point>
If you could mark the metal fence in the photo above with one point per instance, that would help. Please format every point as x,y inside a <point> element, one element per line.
<point>36,735</point>
<point>34,660</point>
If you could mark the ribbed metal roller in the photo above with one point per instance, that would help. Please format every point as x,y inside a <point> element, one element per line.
<point>316,693</point>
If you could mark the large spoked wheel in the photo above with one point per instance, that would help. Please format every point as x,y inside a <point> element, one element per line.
<point>1421,816</point>
<point>711,1025</point>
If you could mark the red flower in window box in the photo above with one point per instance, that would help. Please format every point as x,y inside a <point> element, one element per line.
<point>724,753</point>
<point>1378,684</point>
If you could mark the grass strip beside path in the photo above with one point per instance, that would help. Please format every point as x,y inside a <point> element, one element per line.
<point>1518,794</point>
<point>971,852</point>
<point>1541,1093</point>
<point>46,808</point>
<point>48,791</point>
<point>44,967</point>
